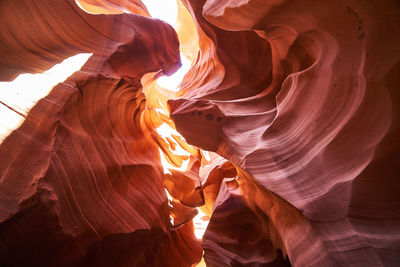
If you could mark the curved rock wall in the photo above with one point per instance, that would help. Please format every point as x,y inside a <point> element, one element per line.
<point>302,97</point>
<point>81,178</point>
<point>298,100</point>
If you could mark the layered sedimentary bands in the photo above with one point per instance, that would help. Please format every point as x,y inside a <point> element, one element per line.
<point>289,119</point>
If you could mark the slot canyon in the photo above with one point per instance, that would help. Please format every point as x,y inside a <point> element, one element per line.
<point>199,133</point>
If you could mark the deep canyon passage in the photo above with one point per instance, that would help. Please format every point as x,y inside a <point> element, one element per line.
<point>222,133</point>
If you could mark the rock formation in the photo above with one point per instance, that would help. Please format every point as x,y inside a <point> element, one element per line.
<point>289,118</point>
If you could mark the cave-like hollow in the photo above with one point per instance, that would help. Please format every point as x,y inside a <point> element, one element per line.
<point>199,133</point>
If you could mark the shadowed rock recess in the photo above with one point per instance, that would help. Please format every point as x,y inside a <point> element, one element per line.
<point>289,120</point>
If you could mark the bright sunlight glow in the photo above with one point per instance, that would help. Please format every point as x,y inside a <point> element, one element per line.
<point>166,10</point>
<point>172,82</point>
<point>200,221</point>
<point>19,96</point>
<point>166,131</point>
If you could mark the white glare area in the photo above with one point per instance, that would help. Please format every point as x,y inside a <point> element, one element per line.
<point>169,198</point>
<point>171,219</point>
<point>20,95</point>
<point>166,131</point>
<point>80,6</point>
<point>200,221</point>
<point>172,82</point>
<point>166,10</point>
<point>206,155</point>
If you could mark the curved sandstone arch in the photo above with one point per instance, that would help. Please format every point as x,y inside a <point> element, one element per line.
<point>296,101</point>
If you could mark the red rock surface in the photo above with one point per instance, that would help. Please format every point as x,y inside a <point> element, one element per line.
<point>91,184</point>
<point>307,106</point>
<point>298,100</point>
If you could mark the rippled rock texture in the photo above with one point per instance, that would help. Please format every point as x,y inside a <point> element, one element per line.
<point>296,101</point>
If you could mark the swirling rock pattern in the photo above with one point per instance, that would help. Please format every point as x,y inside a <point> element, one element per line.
<point>307,107</point>
<point>297,99</point>
<point>91,189</point>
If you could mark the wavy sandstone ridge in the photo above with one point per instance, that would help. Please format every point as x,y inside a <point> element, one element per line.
<point>301,95</point>
<point>295,101</point>
<point>91,189</point>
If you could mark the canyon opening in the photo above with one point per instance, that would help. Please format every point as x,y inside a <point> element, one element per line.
<point>199,133</point>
